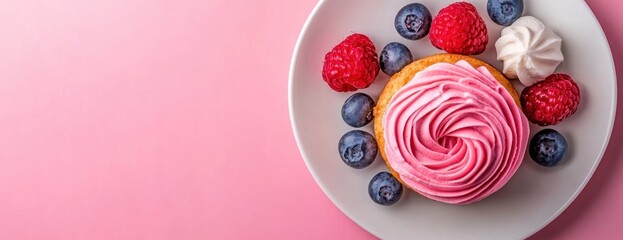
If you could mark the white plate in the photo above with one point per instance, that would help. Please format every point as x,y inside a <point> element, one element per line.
<point>533,197</point>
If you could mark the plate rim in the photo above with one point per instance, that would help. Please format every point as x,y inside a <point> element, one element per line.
<point>295,55</point>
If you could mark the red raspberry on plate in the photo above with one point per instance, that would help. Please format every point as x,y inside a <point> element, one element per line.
<point>458,28</point>
<point>353,64</point>
<point>550,101</point>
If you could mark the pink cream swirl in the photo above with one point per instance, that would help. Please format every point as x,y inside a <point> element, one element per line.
<point>454,133</point>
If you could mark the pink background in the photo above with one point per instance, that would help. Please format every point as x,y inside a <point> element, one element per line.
<point>137,119</point>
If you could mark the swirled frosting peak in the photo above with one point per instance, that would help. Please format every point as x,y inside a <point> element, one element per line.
<point>454,134</point>
<point>530,50</point>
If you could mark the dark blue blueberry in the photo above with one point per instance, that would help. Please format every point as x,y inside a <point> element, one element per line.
<point>384,189</point>
<point>357,110</point>
<point>505,12</point>
<point>547,147</point>
<point>394,57</point>
<point>357,149</point>
<point>413,21</point>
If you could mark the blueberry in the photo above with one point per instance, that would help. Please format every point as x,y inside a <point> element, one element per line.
<point>413,21</point>
<point>394,57</point>
<point>505,12</point>
<point>357,110</point>
<point>357,149</point>
<point>384,189</point>
<point>547,147</point>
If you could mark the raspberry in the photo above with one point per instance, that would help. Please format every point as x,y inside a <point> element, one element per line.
<point>353,64</point>
<point>459,29</point>
<point>550,101</point>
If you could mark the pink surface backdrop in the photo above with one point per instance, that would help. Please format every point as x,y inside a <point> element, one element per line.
<point>137,119</point>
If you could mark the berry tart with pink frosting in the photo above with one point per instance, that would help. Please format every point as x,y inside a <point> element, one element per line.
<point>450,127</point>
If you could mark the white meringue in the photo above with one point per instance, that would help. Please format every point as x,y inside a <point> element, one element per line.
<point>530,50</point>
